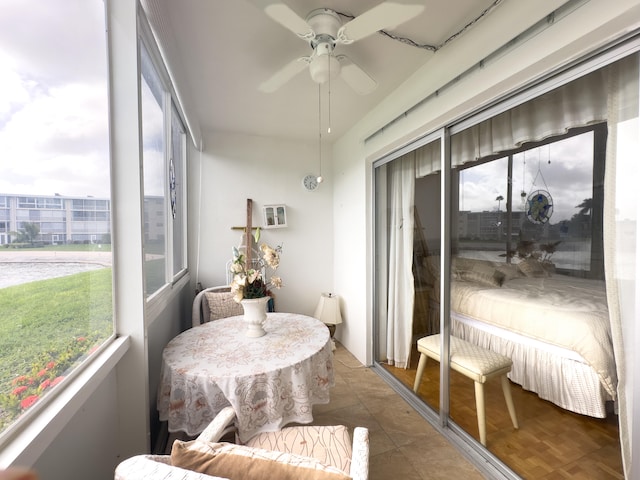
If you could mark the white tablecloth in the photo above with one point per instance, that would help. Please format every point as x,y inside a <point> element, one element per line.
<point>270,381</point>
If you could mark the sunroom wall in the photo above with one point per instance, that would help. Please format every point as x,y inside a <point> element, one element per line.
<point>234,167</point>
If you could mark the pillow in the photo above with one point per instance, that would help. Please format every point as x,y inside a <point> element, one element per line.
<point>532,268</point>
<point>510,271</point>
<point>237,462</point>
<point>481,272</point>
<point>222,305</point>
<point>494,278</point>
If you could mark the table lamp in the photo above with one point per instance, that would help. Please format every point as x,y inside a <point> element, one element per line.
<point>328,312</point>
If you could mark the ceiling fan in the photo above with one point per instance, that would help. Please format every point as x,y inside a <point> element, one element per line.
<point>323,29</point>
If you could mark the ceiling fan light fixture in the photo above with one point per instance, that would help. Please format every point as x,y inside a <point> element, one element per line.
<point>323,67</point>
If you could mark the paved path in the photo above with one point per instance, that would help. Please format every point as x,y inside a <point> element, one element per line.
<point>47,256</point>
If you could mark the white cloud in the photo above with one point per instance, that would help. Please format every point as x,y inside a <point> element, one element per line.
<point>53,98</point>
<point>564,169</point>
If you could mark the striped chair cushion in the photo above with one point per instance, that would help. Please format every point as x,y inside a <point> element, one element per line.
<point>331,445</point>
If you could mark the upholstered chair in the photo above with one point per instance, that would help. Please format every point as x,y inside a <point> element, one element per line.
<point>214,303</point>
<point>314,452</point>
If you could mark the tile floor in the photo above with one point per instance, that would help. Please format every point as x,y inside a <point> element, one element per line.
<point>402,444</point>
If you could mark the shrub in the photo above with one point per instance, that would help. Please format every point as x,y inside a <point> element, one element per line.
<point>47,371</point>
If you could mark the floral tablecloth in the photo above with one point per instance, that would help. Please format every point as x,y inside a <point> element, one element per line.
<point>270,381</point>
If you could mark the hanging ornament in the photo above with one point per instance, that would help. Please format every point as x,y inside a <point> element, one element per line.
<point>539,207</point>
<point>540,202</point>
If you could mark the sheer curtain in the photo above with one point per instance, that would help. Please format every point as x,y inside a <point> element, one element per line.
<point>401,287</point>
<point>620,235</point>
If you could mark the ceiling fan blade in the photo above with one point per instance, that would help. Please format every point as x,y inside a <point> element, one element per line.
<point>289,19</point>
<point>356,77</point>
<point>380,17</point>
<point>285,74</point>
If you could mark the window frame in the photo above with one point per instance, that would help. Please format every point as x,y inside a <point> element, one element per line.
<point>170,106</point>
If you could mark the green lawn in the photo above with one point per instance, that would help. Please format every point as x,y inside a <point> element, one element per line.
<point>45,328</point>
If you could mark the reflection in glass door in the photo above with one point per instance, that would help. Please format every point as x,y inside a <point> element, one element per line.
<point>529,191</point>
<point>408,264</point>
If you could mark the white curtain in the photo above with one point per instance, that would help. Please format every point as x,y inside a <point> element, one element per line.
<point>554,113</point>
<point>401,287</point>
<point>620,235</point>
<point>428,159</point>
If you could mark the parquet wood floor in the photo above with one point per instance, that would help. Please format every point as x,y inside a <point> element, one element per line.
<point>550,444</point>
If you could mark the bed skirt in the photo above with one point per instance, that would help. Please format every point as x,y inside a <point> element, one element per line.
<point>553,373</point>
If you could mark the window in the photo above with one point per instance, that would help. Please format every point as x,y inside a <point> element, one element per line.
<point>553,201</point>
<point>53,316</point>
<point>163,172</point>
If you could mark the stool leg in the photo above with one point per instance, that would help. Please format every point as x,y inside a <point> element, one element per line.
<point>421,364</point>
<point>506,388</point>
<point>482,427</point>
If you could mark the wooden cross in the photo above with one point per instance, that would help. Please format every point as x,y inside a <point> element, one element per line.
<point>248,231</point>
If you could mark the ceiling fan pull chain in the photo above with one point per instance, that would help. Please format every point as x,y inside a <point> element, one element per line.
<point>329,101</point>
<point>319,179</point>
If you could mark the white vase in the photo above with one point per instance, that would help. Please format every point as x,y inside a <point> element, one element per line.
<point>255,313</point>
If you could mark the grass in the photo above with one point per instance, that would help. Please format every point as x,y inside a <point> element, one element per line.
<point>50,322</point>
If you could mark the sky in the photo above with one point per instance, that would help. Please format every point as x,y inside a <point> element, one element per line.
<point>53,98</point>
<point>563,169</point>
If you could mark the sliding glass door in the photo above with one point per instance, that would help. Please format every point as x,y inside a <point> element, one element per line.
<point>538,222</point>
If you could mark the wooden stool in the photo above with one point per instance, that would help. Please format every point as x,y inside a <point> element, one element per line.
<point>474,362</point>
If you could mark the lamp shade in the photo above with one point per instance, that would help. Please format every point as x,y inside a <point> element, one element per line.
<point>328,309</point>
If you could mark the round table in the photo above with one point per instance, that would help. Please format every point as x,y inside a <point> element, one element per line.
<point>270,380</point>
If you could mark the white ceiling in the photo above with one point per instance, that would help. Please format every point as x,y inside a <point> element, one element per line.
<point>224,49</point>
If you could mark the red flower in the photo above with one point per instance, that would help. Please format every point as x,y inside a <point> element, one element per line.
<point>19,379</point>
<point>81,339</point>
<point>45,384</point>
<point>56,381</point>
<point>27,402</point>
<point>18,391</point>
<point>42,372</point>
<point>50,365</point>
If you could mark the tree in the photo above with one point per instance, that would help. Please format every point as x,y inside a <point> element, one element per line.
<point>585,207</point>
<point>28,233</point>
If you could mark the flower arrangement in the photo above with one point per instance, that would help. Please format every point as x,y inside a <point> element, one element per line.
<point>527,249</point>
<point>247,279</point>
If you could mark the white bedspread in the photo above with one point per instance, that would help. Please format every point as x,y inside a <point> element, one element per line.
<point>564,311</point>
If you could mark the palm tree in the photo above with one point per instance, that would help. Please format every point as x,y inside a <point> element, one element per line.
<point>585,207</point>
<point>499,198</point>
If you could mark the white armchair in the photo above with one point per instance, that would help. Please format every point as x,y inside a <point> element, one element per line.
<point>213,303</point>
<point>324,450</point>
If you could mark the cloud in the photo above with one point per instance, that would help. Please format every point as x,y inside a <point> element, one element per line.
<point>564,169</point>
<point>45,49</point>
<point>53,98</point>
<point>60,141</point>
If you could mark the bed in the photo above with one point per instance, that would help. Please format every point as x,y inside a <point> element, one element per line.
<point>554,327</point>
